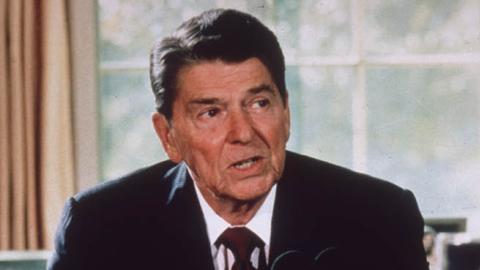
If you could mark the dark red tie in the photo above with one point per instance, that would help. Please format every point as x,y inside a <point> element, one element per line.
<point>241,241</point>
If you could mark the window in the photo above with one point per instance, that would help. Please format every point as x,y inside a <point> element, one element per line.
<point>390,88</point>
<point>24,260</point>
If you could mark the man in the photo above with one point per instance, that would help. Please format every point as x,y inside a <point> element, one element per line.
<point>231,197</point>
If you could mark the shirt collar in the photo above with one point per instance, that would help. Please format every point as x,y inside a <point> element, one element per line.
<point>260,224</point>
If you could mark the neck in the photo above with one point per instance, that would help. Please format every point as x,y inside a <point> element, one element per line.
<point>233,211</point>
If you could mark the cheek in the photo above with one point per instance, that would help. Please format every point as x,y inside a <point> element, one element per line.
<point>273,130</point>
<point>278,135</point>
<point>206,135</point>
<point>198,140</point>
<point>281,132</point>
<point>202,154</point>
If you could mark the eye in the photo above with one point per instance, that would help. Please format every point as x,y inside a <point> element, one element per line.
<point>261,103</point>
<point>210,113</point>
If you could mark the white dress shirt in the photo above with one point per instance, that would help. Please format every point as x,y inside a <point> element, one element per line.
<point>260,224</point>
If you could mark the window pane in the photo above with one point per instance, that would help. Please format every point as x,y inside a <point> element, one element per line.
<point>320,100</point>
<point>313,28</point>
<point>128,140</point>
<point>262,9</point>
<point>129,27</point>
<point>424,134</point>
<point>23,265</point>
<point>422,26</point>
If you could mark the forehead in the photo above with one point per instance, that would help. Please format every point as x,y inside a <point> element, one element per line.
<point>217,78</point>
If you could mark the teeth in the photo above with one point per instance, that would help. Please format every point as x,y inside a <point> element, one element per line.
<point>245,164</point>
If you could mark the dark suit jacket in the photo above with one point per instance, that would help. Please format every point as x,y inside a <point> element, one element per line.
<point>151,219</point>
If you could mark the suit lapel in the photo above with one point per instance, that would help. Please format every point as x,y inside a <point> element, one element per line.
<point>187,223</point>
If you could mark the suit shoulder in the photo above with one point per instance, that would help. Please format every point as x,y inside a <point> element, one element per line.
<point>351,201</point>
<point>360,197</point>
<point>140,186</point>
<point>314,173</point>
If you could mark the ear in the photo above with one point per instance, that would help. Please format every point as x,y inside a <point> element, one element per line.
<point>286,112</point>
<point>166,135</point>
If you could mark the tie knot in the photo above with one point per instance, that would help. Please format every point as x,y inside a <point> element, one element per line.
<point>241,241</point>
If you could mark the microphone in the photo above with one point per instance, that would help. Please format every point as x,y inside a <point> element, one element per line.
<point>292,259</point>
<point>327,259</point>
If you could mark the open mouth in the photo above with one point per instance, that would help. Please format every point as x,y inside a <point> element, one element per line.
<point>247,163</point>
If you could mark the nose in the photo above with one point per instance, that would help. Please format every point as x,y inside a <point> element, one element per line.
<point>241,129</point>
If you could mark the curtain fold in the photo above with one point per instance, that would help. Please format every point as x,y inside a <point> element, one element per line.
<point>4,134</point>
<point>36,138</point>
<point>57,134</point>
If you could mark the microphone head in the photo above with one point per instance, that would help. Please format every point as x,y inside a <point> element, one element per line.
<point>292,260</point>
<point>332,258</point>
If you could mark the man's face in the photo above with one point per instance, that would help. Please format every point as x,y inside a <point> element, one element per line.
<point>230,126</point>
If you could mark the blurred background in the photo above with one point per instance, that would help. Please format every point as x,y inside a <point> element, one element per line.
<point>388,88</point>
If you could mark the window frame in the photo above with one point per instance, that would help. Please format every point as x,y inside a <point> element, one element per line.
<point>83,41</point>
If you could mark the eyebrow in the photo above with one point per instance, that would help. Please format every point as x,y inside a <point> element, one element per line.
<point>261,88</point>
<point>204,101</point>
<point>254,90</point>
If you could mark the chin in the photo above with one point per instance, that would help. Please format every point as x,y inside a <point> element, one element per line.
<point>250,192</point>
<point>247,198</point>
